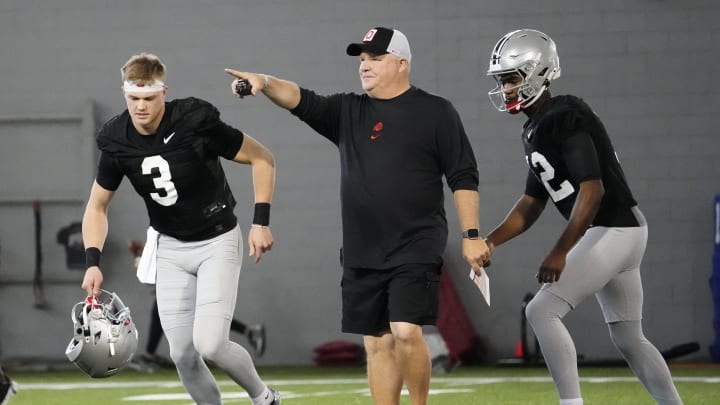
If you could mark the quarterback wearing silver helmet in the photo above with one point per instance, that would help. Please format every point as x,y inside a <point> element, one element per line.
<point>531,54</point>
<point>572,163</point>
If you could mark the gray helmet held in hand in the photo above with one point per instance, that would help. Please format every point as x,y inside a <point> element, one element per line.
<point>105,338</point>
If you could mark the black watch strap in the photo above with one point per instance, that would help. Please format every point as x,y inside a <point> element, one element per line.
<point>471,234</point>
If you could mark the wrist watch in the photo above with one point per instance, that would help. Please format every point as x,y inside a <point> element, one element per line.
<point>471,234</point>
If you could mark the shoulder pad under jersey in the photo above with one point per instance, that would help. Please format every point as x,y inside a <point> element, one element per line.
<point>112,131</point>
<point>194,114</point>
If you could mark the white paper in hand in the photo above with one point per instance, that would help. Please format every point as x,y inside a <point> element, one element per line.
<point>482,282</point>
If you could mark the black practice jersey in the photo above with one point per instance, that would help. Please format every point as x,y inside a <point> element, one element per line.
<point>176,171</point>
<point>393,155</point>
<point>566,144</point>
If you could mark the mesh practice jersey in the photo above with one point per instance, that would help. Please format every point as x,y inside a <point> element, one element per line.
<point>176,170</point>
<point>566,144</point>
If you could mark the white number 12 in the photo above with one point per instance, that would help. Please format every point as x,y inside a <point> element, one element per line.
<point>547,175</point>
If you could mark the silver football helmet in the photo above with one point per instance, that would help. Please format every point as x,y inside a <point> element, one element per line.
<point>529,53</point>
<point>105,338</point>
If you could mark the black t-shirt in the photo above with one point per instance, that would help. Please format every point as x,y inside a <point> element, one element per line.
<point>393,155</point>
<point>176,170</point>
<point>566,144</point>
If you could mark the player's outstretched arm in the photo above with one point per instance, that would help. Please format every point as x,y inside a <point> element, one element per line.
<point>260,239</point>
<point>583,213</point>
<point>586,206</point>
<point>94,231</point>
<point>262,161</point>
<point>283,93</point>
<point>520,218</point>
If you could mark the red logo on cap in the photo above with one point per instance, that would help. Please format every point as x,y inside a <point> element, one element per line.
<point>369,36</point>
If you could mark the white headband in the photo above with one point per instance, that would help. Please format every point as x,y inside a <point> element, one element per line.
<point>137,87</point>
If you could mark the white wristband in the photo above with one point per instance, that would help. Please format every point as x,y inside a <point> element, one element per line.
<point>267,80</point>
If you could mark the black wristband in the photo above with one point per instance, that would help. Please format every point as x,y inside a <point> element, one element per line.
<point>262,214</point>
<point>92,257</point>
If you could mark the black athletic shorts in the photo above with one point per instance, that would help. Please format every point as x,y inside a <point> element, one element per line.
<point>374,298</point>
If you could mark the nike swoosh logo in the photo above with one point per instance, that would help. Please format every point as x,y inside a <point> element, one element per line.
<point>168,138</point>
<point>374,136</point>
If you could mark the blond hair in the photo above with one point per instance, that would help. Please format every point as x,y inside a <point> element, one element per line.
<point>144,68</point>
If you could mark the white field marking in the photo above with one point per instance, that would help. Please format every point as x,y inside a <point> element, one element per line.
<point>230,397</point>
<point>337,381</point>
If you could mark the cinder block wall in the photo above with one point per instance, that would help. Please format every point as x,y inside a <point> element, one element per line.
<point>647,67</point>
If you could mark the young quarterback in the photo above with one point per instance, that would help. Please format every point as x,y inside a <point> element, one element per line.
<point>572,162</point>
<point>170,150</point>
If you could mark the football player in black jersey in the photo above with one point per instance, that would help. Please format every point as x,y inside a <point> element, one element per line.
<point>572,162</point>
<point>396,143</point>
<point>169,150</point>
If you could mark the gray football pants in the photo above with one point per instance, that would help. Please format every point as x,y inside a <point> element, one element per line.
<point>606,263</point>
<point>196,293</point>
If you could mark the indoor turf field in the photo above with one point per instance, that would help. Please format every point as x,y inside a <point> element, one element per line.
<point>698,385</point>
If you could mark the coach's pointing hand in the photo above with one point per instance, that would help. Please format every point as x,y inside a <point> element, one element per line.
<point>257,81</point>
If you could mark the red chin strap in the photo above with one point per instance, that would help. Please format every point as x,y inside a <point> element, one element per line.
<point>514,107</point>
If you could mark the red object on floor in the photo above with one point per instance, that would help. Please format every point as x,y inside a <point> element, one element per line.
<point>519,353</point>
<point>453,322</point>
<point>339,353</point>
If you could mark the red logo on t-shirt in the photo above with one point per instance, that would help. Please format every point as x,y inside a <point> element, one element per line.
<point>376,129</point>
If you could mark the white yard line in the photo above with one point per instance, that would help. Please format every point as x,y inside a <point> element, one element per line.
<point>455,381</point>
<point>230,397</point>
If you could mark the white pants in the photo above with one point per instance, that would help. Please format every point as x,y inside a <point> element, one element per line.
<point>196,293</point>
<point>197,279</point>
<point>605,262</point>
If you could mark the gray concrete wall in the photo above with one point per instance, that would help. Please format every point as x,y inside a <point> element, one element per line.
<point>648,68</point>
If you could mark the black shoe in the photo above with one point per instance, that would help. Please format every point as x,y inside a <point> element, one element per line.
<point>149,363</point>
<point>276,395</point>
<point>256,336</point>
<point>8,390</point>
<point>161,361</point>
<point>143,364</point>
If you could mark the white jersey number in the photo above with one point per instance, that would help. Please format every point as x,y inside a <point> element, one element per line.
<point>547,174</point>
<point>162,182</point>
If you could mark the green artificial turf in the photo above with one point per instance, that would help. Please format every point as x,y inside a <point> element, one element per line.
<point>698,385</point>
